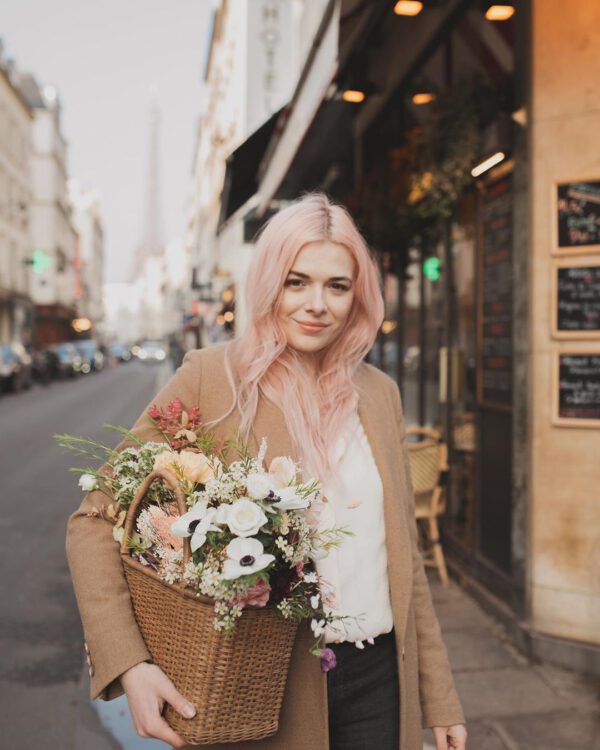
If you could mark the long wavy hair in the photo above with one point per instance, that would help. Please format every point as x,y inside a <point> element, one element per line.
<point>259,360</point>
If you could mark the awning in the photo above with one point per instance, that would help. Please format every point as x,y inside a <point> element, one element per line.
<point>318,73</point>
<point>312,116</point>
<point>241,169</point>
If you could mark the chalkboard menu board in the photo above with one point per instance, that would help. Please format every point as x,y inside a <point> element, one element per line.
<point>578,388</point>
<point>495,297</point>
<point>577,295</point>
<point>578,214</point>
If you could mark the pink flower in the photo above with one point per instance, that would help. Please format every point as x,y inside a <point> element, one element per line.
<point>162,522</point>
<point>256,596</point>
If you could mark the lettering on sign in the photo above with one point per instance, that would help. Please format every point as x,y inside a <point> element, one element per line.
<point>577,388</point>
<point>578,214</point>
<point>577,300</point>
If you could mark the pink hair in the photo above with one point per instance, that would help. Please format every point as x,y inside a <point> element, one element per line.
<point>259,360</point>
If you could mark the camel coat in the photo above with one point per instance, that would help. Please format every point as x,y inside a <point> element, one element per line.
<point>114,643</point>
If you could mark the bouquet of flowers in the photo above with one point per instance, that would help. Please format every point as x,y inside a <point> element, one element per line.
<point>254,532</point>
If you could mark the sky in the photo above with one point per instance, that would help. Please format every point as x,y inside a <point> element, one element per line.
<point>108,59</point>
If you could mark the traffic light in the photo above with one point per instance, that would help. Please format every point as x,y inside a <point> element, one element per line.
<point>41,261</point>
<point>432,268</point>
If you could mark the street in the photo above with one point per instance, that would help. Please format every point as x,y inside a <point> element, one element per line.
<point>510,703</point>
<point>43,703</point>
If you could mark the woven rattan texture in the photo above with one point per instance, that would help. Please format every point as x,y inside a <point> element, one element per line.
<point>424,463</point>
<point>236,683</point>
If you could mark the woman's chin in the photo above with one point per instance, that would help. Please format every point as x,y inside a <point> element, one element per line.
<point>307,347</point>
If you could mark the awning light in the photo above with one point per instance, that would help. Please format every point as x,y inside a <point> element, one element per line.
<point>354,96</point>
<point>488,163</point>
<point>423,97</point>
<point>408,8</point>
<point>500,12</point>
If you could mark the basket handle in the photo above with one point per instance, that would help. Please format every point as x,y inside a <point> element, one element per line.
<point>169,479</point>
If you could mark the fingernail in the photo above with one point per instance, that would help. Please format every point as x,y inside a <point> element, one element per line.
<point>189,711</point>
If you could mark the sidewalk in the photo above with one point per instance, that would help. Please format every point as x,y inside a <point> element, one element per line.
<point>511,703</point>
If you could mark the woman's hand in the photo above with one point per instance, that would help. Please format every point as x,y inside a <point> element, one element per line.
<point>148,688</point>
<point>450,738</point>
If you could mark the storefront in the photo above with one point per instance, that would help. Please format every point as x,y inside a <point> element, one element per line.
<point>439,132</point>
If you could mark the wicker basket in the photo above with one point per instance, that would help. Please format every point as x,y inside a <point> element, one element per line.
<point>236,682</point>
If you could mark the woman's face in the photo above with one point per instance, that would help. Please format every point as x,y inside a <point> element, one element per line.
<point>317,296</point>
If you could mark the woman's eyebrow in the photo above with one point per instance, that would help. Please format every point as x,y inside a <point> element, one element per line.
<point>333,278</point>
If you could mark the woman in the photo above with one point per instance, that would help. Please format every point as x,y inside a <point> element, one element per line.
<point>296,376</point>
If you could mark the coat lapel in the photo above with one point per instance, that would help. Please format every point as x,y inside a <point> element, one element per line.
<point>269,423</point>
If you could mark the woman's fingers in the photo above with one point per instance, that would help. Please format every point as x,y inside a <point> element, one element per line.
<point>450,738</point>
<point>457,737</point>
<point>441,738</point>
<point>174,698</point>
<point>158,729</point>
<point>147,688</point>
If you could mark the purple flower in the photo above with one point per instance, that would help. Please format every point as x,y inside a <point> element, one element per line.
<point>328,660</point>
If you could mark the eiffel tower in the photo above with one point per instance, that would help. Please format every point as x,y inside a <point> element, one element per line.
<point>152,240</point>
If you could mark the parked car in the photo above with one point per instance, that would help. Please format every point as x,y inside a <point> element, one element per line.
<point>150,351</point>
<point>16,370</point>
<point>70,361</point>
<point>120,352</point>
<point>92,357</point>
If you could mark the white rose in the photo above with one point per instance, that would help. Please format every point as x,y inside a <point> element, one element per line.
<point>282,470</point>
<point>245,518</point>
<point>87,482</point>
<point>258,485</point>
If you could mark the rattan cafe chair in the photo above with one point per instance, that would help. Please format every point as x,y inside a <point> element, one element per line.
<point>428,457</point>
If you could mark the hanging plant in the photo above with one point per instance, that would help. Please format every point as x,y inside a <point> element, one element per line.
<point>446,147</point>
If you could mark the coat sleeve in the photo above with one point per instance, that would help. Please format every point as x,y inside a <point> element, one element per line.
<point>113,640</point>
<point>440,703</point>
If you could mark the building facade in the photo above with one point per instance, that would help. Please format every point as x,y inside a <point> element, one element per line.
<point>16,307</point>
<point>256,52</point>
<point>89,255</point>
<point>53,237</point>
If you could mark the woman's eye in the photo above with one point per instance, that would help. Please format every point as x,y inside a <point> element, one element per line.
<point>340,287</point>
<point>294,282</point>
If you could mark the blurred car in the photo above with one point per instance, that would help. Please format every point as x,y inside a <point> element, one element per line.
<point>120,352</point>
<point>70,361</point>
<point>16,370</point>
<point>150,351</point>
<point>92,357</point>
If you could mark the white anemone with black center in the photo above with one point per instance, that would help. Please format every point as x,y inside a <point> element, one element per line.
<point>244,557</point>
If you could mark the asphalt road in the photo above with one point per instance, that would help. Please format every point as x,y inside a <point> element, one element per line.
<point>43,701</point>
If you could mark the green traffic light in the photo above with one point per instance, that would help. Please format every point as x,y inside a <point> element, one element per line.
<point>432,269</point>
<point>41,261</point>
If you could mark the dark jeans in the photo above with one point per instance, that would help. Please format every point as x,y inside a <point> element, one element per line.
<point>364,697</point>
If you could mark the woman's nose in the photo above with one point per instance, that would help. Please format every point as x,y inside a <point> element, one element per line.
<point>316,300</point>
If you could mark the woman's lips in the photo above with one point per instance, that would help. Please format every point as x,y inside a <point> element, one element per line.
<point>311,327</point>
